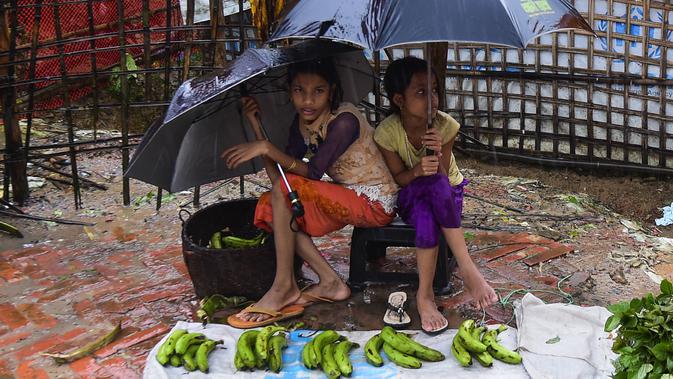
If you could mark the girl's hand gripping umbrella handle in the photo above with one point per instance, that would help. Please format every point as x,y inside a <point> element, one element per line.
<point>295,204</point>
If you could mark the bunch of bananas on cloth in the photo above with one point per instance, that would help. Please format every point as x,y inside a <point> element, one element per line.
<point>400,349</point>
<point>331,352</point>
<point>221,241</point>
<point>209,305</point>
<point>469,342</point>
<point>259,349</point>
<point>189,350</point>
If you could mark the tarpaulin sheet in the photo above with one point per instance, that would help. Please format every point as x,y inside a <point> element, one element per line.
<point>221,360</point>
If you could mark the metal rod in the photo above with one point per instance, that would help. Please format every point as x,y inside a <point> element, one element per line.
<point>126,188</point>
<point>241,48</point>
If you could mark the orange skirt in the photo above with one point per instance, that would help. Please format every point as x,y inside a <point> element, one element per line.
<point>327,207</point>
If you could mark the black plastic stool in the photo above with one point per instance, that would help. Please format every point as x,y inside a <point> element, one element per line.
<point>372,242</point>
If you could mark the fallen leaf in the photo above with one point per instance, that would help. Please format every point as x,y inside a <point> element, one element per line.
<point>556,339</point>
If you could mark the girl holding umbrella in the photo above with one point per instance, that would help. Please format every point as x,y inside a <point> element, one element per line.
<point>431,198</point>
<point>338,141</point>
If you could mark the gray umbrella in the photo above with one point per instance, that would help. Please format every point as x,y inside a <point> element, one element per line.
<point>204,116</point>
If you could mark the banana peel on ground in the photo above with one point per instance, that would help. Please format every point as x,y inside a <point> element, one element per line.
<point>10,229</point>
<point>88,349</point>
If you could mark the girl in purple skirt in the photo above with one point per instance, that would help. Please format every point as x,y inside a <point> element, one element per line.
<point>431,198</point>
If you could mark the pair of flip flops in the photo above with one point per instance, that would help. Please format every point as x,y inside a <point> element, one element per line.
<point>289,311</point>
<point>396,315</point>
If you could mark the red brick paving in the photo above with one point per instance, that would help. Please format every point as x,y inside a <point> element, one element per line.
<point>11,317</point>
<point>492,254</point>
<point>551,253</point>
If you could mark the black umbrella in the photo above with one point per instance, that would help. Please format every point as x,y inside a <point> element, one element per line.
<point>204,118</point>
<point>378,24</point>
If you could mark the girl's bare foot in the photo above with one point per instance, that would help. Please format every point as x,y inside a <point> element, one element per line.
<point>274,300</point>
<point>431,318</point>
<point>330,290</point>
<point>481,292</point>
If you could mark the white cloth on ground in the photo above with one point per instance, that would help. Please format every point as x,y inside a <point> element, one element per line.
<point>563,340</point>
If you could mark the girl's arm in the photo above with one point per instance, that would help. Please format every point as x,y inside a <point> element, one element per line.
<point>445,160</point>
<point>401,174</point>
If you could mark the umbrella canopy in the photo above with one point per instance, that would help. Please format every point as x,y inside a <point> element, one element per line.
<point>204,118</point>
<point>378,24</point>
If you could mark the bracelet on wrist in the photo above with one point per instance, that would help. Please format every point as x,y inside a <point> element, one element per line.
<point>292,165</point>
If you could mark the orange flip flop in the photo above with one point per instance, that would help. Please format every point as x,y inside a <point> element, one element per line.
<point>290,311</point>
<point>309,299</point>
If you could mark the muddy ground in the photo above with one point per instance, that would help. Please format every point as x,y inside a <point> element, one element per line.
<point>637,197</point>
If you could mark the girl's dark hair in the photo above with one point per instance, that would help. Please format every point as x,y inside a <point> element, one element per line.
<point>398,77</point>
<point>324,68</point>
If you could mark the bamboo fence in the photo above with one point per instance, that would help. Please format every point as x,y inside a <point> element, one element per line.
<point>569,99</point>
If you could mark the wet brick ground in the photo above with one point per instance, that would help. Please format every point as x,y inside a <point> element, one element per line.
<point>55,299</point>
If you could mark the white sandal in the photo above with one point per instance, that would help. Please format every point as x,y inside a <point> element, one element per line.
<point>396,315</point>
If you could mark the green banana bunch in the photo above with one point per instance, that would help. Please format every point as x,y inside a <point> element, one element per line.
<point>460,353</point>
<point>484,358</point>
<point>401,359</point>
<point>202,354</point>
<point>472,344</point>
<point>168,347</point>
<point>498,351</point>
<point>211,304</point>
<point>308,357</point>
<point>404,344</point>
<point>233,242</point>
<point>260,348</point>
<point>186,340</point>
<point>342,358</point>
<point>262,340</point>
<point>372,348</point>
<point>189,350</point>
<point>276,345</point>
<point>321,340</point>
<point>244,348</point>
<point>469,340</point>
<point>328,362</point>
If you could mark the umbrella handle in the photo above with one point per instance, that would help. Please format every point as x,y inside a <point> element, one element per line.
<point>295,204</point>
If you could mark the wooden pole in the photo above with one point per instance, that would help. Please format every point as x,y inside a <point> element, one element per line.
<point>94,71</point>
<point>31,71</point>
<point>15,168</point>
<point>68,110</point>
<point>437,57</point>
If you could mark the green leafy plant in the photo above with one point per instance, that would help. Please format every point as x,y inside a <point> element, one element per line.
<point>115,79</point>
<point>151,197</point>
<point>644,339</point>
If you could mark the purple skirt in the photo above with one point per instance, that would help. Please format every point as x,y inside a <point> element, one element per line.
<point>429,203</point>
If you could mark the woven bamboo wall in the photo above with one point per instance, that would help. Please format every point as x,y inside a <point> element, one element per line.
<point>574,96</point>
<point>617,105</point>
